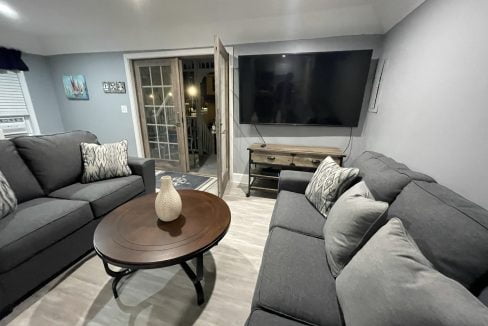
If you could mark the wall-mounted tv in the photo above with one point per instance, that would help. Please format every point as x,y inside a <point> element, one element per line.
<point>323,88</point>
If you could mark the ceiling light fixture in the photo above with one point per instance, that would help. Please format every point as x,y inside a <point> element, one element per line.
<point>8,11</point>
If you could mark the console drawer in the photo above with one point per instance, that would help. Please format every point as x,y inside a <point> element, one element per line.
<point>275,159</point>
<point>310,161</point>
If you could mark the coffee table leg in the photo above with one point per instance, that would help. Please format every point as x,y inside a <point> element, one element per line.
<point>117,277</point>
<point>196,278</point>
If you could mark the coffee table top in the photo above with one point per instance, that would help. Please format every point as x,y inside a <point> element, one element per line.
<point>133,236</point>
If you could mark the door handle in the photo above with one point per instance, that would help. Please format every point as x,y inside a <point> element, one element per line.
<point>315,161</point>
<point>271,158</point>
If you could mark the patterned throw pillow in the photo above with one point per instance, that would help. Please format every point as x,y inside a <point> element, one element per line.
<point>106,161</point>
<point>8,201</point>
<point>328,183</point>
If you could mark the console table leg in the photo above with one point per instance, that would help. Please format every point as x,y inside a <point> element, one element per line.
<point>196,278</point>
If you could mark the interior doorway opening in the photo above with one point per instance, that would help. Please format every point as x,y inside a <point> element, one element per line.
<point>160,107</point>
<point>200,112</point>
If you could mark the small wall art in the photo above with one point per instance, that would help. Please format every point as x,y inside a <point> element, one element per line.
<point>115,87</point>
<point>75,87</point>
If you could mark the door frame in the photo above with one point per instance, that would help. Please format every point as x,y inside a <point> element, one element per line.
<point>132,92</point>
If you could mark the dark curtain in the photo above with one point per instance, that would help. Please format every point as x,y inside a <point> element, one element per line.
<point>10,59</point>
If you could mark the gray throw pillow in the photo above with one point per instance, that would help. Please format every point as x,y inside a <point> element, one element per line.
<point>389,282</point>
<point>8,201</point>
<point>106,161</point>
<point>349,224</point>
<point>328,183</point>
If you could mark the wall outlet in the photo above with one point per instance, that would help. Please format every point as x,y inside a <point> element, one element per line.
<point>123,108</point>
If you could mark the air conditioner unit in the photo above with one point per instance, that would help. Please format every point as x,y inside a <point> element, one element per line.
<point>13,126</point>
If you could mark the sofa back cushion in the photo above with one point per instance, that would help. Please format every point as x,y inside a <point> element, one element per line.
<point>20,178</point>
<point>56,159</point>
<point>451,231</point>
<point>390,283</point>
<point>384,176</point>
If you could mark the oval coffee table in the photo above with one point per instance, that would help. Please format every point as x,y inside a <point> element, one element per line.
<point>132,237</point>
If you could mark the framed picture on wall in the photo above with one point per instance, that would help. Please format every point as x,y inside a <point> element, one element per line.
<point>75,87</point>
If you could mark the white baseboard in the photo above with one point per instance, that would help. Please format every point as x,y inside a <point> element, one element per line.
<point>240,178</point>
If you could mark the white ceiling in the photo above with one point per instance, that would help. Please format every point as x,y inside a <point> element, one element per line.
<point>73,26</point>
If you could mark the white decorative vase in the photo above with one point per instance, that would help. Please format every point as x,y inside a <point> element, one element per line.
<point>168,201</point>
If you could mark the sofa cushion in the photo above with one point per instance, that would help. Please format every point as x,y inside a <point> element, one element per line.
<point>18,175</point>
<point>37,224</point>
<point>351,222</point>
<point>390,283</point>
<point>294,279</point>
<point>328,183</point>
<point>384,176</point>
<point>292,211</point>
<point>262,318</point>
<point>451,231</point>
<point>104,195</point>
<point>55,160</point>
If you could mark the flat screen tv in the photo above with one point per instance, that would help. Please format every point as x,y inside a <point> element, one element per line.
<point>323,88</point>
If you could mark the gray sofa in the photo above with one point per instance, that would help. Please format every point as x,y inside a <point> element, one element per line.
<point>54,223</point>
<point>295,286</point>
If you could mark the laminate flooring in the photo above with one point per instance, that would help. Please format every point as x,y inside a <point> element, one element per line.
<point>82,295</point>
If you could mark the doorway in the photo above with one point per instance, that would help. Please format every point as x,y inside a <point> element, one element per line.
<point>199,97</point>
<point>182,105</point>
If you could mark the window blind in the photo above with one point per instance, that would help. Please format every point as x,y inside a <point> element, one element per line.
<point>12,101</point>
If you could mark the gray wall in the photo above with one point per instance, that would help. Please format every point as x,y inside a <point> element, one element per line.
<point>39,82</point>
<point>433,104</point>
<point>244,135</point>
<point>101,114</point>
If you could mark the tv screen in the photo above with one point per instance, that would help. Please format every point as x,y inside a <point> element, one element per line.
<point>325,88</point>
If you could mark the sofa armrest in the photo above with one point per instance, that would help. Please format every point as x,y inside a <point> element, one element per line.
<point>146,169</point>
<point>295,181</point>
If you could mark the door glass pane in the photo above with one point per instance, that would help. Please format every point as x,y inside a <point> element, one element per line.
<point>166,71</point>
<point>152,133</point>
<point>158,95</point>
<point>154,150</point>
<point>155,76</point>
<point>168,96</point>
<point>145,77</point>
<point>160,117</point>
<point>164,151</point>
<point>162,134</point>
<point>148,96</point>
<point>172,135</point>
<point>149,112</point>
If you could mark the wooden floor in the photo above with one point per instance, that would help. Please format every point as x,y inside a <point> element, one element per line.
<point>83,296</point>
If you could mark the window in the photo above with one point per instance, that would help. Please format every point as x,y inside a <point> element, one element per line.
<point>16,112</point>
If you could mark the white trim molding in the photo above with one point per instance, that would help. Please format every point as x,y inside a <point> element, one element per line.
<point>129,72</point>
<point>34,124</point>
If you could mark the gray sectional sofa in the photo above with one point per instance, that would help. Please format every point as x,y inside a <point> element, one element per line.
<point>54,222</point>
<point>295,286</point>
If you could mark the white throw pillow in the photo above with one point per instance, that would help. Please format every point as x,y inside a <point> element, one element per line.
<point>328,183</point>
<point>8,201</point>
<point>106,161</point>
